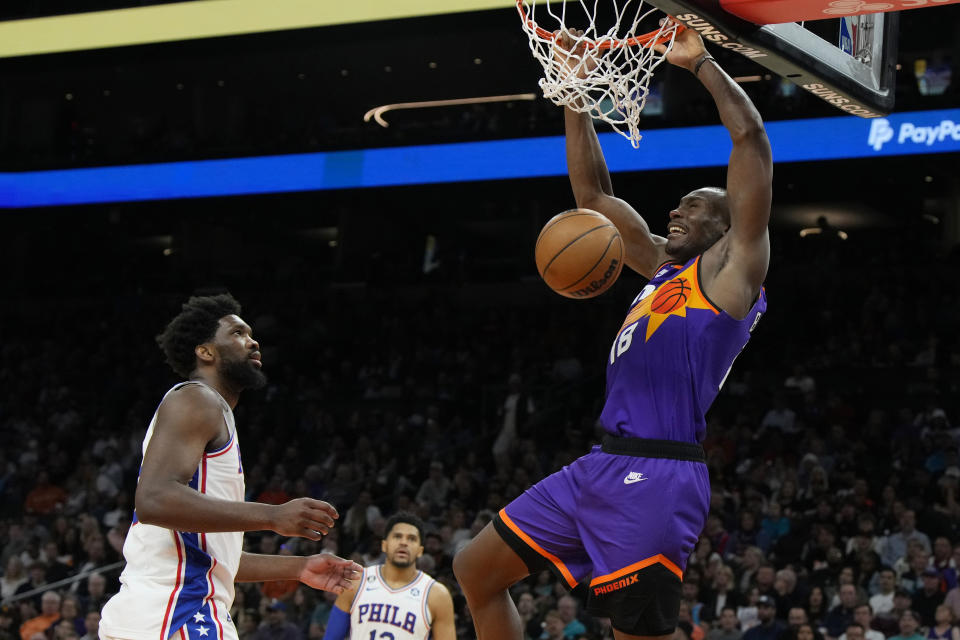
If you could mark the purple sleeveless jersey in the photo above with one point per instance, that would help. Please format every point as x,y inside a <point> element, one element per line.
<point>612,516</point>
<point>670,358</point>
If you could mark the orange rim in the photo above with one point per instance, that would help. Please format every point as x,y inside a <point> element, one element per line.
<point>643,40</point>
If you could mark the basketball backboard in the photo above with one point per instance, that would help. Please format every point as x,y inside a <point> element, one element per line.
<point>861,83</point>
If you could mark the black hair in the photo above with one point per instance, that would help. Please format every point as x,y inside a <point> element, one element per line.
<point>720,204</point>
<point>405,518</point>
<point>196,323</point>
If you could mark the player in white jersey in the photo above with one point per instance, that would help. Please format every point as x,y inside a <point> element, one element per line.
<point>395,600</point>
<point>184,548</point>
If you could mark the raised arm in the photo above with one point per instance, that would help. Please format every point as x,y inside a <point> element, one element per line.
<point>187,422</point>
<point>592,188</point>
<point>742,257</point>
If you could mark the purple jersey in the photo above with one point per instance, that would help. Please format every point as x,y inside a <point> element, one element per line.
<point>671,356</point>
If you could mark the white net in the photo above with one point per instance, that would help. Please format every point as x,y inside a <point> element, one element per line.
<point>607,70</point>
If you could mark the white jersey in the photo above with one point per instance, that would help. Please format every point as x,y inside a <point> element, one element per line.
<point>380,612</point>
<point>178,582</point>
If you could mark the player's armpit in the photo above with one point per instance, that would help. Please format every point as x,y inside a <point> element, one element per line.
<point>441,613</point>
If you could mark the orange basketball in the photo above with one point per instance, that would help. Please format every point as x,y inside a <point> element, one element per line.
<point>579,253</point>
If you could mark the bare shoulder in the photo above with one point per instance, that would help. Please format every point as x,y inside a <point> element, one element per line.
<point>192,397</point>
<point>193,405</point>
<point>439,594</point>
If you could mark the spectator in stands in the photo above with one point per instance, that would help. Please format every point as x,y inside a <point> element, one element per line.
<point>276,626</point>
<point>795,617</point>
<point>691,594</point>
<point>889,623</point>
<point>785,592</point>
<point>817,608</point>
<point>807,632</point>
<point>774,525</point>
<point>70,613</point>
<point>13,577</point>
<point>553,626</point>
<point>45,497</point>
<point>38,578</point>
<point>49,615</point>
<point>64,630</point>
<point>928,597</point>
<point>721,595</point>
<point>719,537</point>
<point>726,627</point>
<point>433,491</point>
<point>685,617</point>
<point>895,546</point>
<point>882,600</point>
<point>841,615</point>
<point>749,564</point>
<point>568,608</point>
<point>952,600</point>
<point>748,613</point>
<point>8,623</point>
<point>769,627</point>
<point>529,618</point>
<point>863,618</point>
<point>91,625</point>
<point>909,625</point>
<point>943,627</point>
<point>918,561</point>
<point>943,561</point>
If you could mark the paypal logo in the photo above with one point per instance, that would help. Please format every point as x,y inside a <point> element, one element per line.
<point>881,133</point>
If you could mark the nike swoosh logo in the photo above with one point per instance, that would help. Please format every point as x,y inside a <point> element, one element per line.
<point>632,478</point>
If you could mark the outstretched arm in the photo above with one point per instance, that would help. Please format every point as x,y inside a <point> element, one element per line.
<point>592,188</point>
<point>322,571</point>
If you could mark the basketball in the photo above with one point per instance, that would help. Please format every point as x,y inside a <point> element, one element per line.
<point>579,253</point>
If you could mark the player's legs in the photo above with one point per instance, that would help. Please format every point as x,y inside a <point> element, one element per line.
<point>485,569</point>
<point>537,529</point>
<point>639,520</point>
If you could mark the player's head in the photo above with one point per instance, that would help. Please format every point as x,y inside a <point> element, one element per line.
<point>701,218</point>
<point>209,333</point>
<point>403,539</point>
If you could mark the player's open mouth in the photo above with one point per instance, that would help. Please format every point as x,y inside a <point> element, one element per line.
<point>676,230</point>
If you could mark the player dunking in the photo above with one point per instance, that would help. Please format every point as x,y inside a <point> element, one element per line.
<point>395,600</point>
<point>628,513</point>
<point>184,549</point>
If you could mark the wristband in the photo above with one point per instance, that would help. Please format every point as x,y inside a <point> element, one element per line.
<point>696,67</point>
<point>338,625</point>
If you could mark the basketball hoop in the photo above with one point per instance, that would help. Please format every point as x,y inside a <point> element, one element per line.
<point>610,77</point>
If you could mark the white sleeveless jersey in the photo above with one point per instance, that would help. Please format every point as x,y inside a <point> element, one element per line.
<point>178,582</point>
<point>381,613</point>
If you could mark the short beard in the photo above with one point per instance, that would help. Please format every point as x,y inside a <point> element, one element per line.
<point>403,565</point>
<point>242,375</point>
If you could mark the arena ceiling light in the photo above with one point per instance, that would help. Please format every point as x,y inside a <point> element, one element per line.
<point>207,19</point>
<point>377,112</point>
